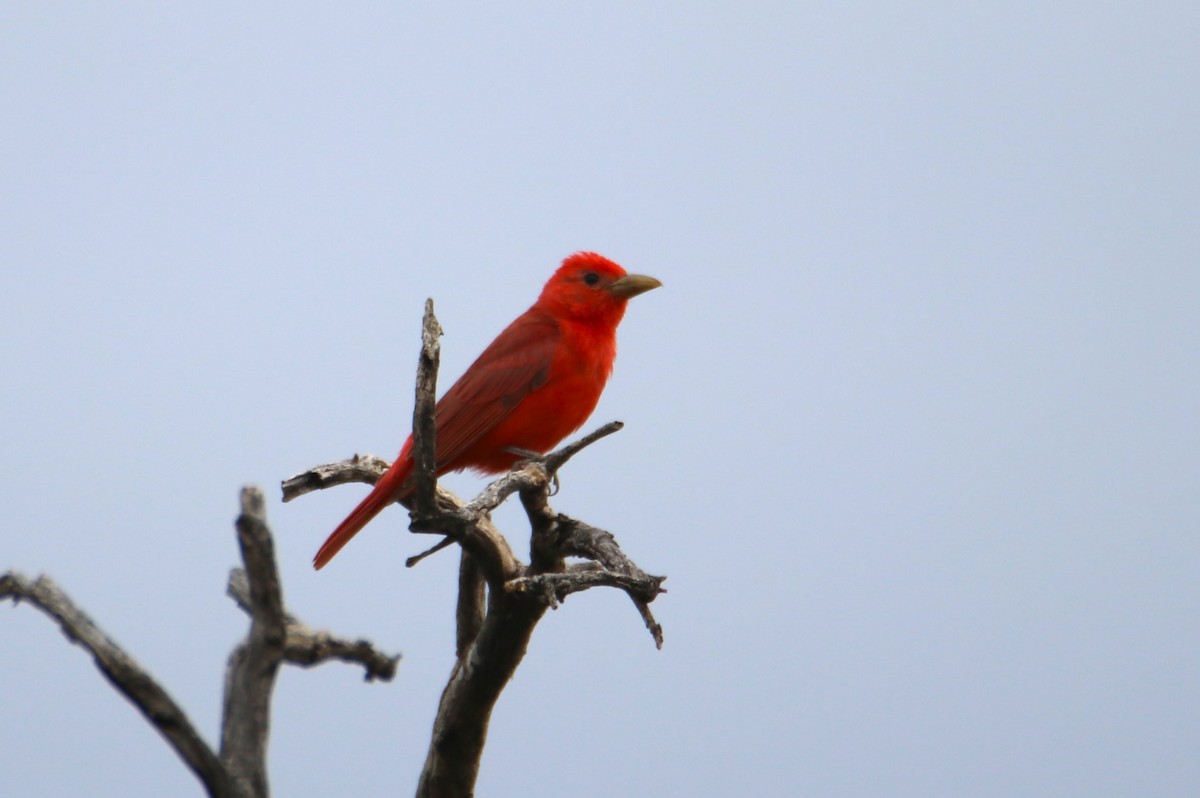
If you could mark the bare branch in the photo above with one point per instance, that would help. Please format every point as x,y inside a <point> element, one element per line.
<point>360,468</point>
<point>557,536</point>
<point>481,673</point>
<point>434,549</point>
<point>254,663</point>
<point>424,421</point>
<point>526,475</point>
<point>553,588</point>
<point>126,675</point>
<point>308,647</point>
<point>558,458</point>
<point>470,612</point>
<point>561,585</point>
<point>652,625</point>
<point>476,533</point>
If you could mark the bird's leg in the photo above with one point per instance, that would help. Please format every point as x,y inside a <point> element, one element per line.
<point>530,456</point>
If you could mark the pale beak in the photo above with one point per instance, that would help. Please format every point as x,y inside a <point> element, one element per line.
<point>633,284</point>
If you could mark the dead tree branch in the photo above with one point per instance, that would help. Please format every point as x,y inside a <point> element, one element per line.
<point>125,674</point>
<point>501,599</point>
<point>306,647</point>
<point>424,424</point>
<point>239,770</point>
<point>360,468</point>
<point>254,663</point>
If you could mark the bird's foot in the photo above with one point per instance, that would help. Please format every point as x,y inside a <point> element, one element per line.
<point>530,456</point>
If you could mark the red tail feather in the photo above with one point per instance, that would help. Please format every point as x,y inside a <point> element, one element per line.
<point>387,490</point>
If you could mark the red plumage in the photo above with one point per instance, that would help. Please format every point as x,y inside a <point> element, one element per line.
<point>534,385</point>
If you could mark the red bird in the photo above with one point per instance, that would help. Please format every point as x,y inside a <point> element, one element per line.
<point>533,386</point>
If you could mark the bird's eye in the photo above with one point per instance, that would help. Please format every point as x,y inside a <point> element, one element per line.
<point>591,278</point>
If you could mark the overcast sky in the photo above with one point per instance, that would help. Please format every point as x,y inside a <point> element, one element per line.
<point>911,426</point>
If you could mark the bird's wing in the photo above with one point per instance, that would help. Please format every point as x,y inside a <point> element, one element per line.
<point>513,366</point>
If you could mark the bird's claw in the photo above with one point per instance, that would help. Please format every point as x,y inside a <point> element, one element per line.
<point>530,456</point>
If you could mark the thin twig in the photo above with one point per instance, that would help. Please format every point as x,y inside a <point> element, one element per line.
<point>434,549</point>
<point>558,458</point>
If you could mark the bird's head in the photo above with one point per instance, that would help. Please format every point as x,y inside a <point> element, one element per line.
<point>590,287</point>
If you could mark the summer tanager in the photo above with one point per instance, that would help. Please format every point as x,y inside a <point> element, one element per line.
<point>534,385</point>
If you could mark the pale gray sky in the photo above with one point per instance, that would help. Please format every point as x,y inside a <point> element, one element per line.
<point>911,427</point>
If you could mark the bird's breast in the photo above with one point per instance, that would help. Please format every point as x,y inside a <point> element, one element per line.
<point>576,378</point>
